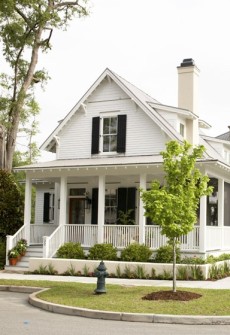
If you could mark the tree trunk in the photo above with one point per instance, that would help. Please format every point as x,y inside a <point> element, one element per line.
<point>174,264</point>
<point>16,112</point>
<point>2,147</point>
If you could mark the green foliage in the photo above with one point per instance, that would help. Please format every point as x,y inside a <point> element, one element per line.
<point>183,273</point>
<point>218,271</point>
<point>70,271</point>
<point>71,250</point>
<point>118,271</point>
<point>165,254</point>
<point>196,272</point>
<point>11,205</point>
<point>13,253</point>
<point>21,246</point>
<point>174,205</point>
<point>128,273</point>
<point>140,272</point>
<point>125,218</point>
<point>213,259</point>
<point>136,253</point>
<point>45,270</point>
<point>26,28</point>
<point>85,270</point>
<point>193,260</point>
<point>103,251</point>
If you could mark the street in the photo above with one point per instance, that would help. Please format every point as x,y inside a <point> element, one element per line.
<point>18,317</point>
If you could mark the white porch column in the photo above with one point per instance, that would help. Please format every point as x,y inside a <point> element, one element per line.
<point>101,208</point>
<point>63,201</point>
<point>56,202</point>
<point>203,222</point>
<point>142,218</point>
<point>221,208</point>
<point>27,208</point>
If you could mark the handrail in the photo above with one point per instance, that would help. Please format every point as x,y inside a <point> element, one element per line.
<point>52,243</point>
<point>11,240</point>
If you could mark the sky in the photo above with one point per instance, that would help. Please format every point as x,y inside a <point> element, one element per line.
<point>144,42</point>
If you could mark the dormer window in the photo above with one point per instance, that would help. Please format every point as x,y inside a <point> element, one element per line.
<point>109,134</point>
<point>182,129</point>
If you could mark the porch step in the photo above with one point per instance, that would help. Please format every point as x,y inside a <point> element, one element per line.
<point>33,251</point>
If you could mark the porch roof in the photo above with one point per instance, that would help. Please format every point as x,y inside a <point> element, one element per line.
<point>93,162</point>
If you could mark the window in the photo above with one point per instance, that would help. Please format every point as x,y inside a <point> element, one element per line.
<point>109,134</point>
<point>110,206</point>
<point>182,129</point>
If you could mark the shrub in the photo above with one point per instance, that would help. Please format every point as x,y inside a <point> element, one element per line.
<point>136,253</point>
<point>103,251</point>
<point>165,255</point>
<point>71,250</point>
<point>45,270</point>
<point>11,205</point>
<point>193,260</point>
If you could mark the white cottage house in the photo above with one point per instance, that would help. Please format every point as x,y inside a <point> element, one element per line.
<point>107,147</point>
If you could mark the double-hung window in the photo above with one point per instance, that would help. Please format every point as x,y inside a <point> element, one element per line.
<point>109,134</point>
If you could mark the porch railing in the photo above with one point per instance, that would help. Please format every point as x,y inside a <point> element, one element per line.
<point>120,236</point>
<point>155,240</point>
<point>37,231</point>
<point>11,240</point>
<point>51,243</point>
<point>213,238</point>
<point>86,235</point>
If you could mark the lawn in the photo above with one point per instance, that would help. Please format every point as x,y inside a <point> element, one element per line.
<point>129,298</point>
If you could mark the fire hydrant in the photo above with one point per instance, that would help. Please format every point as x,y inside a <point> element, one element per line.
<point>101,274</point>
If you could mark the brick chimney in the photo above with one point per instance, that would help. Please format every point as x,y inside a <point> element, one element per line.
<point>188,87</point>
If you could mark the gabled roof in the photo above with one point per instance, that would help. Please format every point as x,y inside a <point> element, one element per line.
<point>142,99</point>
<point>225,136</point>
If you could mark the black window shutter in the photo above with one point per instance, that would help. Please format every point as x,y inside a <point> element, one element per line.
<point>94,212</point>
<point>131,201</point>
<point>121,133</point>
<point>95,135</point>
<point>121,200</point>
<point>46,208</point>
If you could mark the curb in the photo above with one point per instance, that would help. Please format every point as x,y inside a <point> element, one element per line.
<point>115,316</point>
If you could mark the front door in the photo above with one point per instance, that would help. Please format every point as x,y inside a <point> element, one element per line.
<point>77,211</point>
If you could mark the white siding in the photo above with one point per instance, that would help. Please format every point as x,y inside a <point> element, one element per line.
<point>171,118</point>
<point>144,137</point>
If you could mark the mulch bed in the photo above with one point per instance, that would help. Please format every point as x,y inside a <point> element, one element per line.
<point>170,295</point>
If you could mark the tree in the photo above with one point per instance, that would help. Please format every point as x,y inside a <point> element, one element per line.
<point>26,27</point>
<point>174,205</point>
<point>11,205</point>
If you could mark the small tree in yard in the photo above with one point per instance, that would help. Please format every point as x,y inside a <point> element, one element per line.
<point>174,205</point>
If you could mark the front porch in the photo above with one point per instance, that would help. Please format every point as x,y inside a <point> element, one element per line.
<point>51,237</point>
<point>82,204</point>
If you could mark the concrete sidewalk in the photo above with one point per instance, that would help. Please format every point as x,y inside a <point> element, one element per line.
<point>118,316</point>
<point>218,284</point>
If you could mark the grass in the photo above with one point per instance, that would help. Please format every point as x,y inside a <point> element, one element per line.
<point>129,298</point>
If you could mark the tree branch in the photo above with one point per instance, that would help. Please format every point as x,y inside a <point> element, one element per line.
<point>24,18</point>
